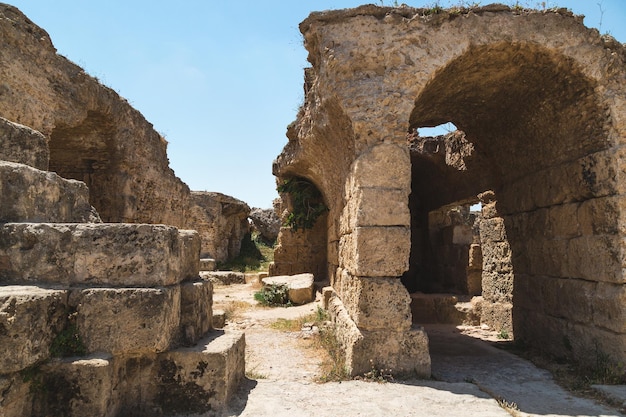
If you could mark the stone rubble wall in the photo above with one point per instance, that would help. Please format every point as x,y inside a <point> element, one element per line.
<point>542,100</point>
<point>222,222</point>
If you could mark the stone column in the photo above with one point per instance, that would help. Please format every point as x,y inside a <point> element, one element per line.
<point>370,305</point>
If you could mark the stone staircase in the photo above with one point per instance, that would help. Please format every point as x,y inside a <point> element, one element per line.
<point>99,319</point>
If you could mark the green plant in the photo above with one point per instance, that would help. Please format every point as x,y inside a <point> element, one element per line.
<point>307,201</point>
<point>254,255</point>
<point>504,334</point>
<point>67,343</point>
<point>273,295</point>
<point>334,369</point>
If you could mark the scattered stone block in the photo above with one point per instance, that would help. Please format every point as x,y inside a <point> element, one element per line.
<point>207,264</point>
<point>127,320</point>
<point>224,277</point>
<point>112,254</point>
<point>301,286</point>
<point>49,198</point>
<point>196,315</point>
<point>219,319</point>
<point>29,319</point>
<point>203,377</point>
<point>23,145</point>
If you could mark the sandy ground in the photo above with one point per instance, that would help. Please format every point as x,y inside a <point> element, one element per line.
<point>470,377</point>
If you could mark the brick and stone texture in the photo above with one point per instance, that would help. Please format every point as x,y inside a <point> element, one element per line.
<point>540,98</point>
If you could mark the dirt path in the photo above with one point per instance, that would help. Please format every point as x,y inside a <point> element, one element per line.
<point>283,368</point>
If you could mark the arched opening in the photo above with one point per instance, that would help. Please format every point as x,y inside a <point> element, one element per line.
<point>532,131</point>
<point>85,152</point>
<point>302,242</point>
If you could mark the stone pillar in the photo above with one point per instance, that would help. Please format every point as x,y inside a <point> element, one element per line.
<point>370,306</point>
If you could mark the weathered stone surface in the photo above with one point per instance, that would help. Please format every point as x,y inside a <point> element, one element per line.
<point>219,319</point>
<point>201,378</point>
<point>146,319</point>
<point>266,222</point>
<point>31,195</point>
<point>97,254</point>
<point>301,286</point>
<point>207,264</point>
<point>224,277</point>
<point>23,145</point>
<point>77,387</point>
<point>404,352</point>
<point>375,303</point>
<point>94,135</point>
<point>30,318</point>
<point>436,308</point>
<point>221,221</point>
<point>15,396</point>
<point>376,251</point>
<point>196,310</point>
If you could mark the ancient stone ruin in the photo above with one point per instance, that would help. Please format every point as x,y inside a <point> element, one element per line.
<point>96,318</point>
<point>539,103</point>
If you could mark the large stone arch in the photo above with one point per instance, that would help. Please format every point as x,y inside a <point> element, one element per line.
<point>540,97</point>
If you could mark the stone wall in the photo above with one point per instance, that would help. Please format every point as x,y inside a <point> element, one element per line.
<point>94,135</point>
<point>540,98</point>
<point>222,222</point>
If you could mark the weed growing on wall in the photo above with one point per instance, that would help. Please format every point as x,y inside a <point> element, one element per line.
<point>308,204</point>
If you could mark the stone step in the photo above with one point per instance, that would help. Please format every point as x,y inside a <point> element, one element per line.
<point>195,380</point>
<point>32,195</point>
<point>97,254</point>
<point>23,145</point>
<point>443,309</point>
<point>301,287</point>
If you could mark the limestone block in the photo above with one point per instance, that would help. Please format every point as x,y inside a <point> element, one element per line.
<point>609,307</point>
<point>219,319</point>
<point>563,221</point>
<point>380,207</point>
<point>188,265</point>
<point>376,303</point>
<point>201,378</point>
<point>23,145</point>
<point>15,395</point>
<point>384,166</point>
<point>196,310</point>
<point>567,298</point>
<point>497,286</point>
<point>207,264</point>
<point>31,195</point>
<point>77,387</point>
<point>376,251</point>
<point>224,277</point>
<point>601,215</point>
<point>29,319</point>
<point>474,282</point>
<point>112,254</point>
<point>404,352</point>
<point>596,258</point>
<point>127,320</point>
<point>498,316</point>
<point>436,308</point>
<point>301,286</point>
<point>492,230</point>
<point>475,261</point>
<point>497,257</point>
<point>462,235</point>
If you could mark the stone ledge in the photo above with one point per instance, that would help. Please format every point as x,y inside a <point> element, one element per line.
<point>30,316</point>
<point>32,195</point>
<point>23,145</point>
<point>301,286</point>
<point>111,254</point>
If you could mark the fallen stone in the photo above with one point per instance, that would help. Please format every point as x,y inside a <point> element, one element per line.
<point>207,264</point>
<point>224,277</point>
<point>266,222</point>
<point>301,286</point>
<point>49,198</point>
<point>29,319</point>
<point>118,255</point>
<point>127,320</point>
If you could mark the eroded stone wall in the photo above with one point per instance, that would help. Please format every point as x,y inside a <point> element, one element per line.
<point>542,101</point>
<point>94,135</point>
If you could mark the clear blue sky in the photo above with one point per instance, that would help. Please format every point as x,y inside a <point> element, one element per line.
<point>220,79</point>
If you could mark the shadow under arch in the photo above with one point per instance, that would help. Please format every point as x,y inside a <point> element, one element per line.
<point>539,136</point>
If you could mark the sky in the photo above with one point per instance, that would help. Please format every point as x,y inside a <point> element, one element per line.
<point>220,79</point>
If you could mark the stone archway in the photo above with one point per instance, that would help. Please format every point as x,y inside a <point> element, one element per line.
<point>539,97</point>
